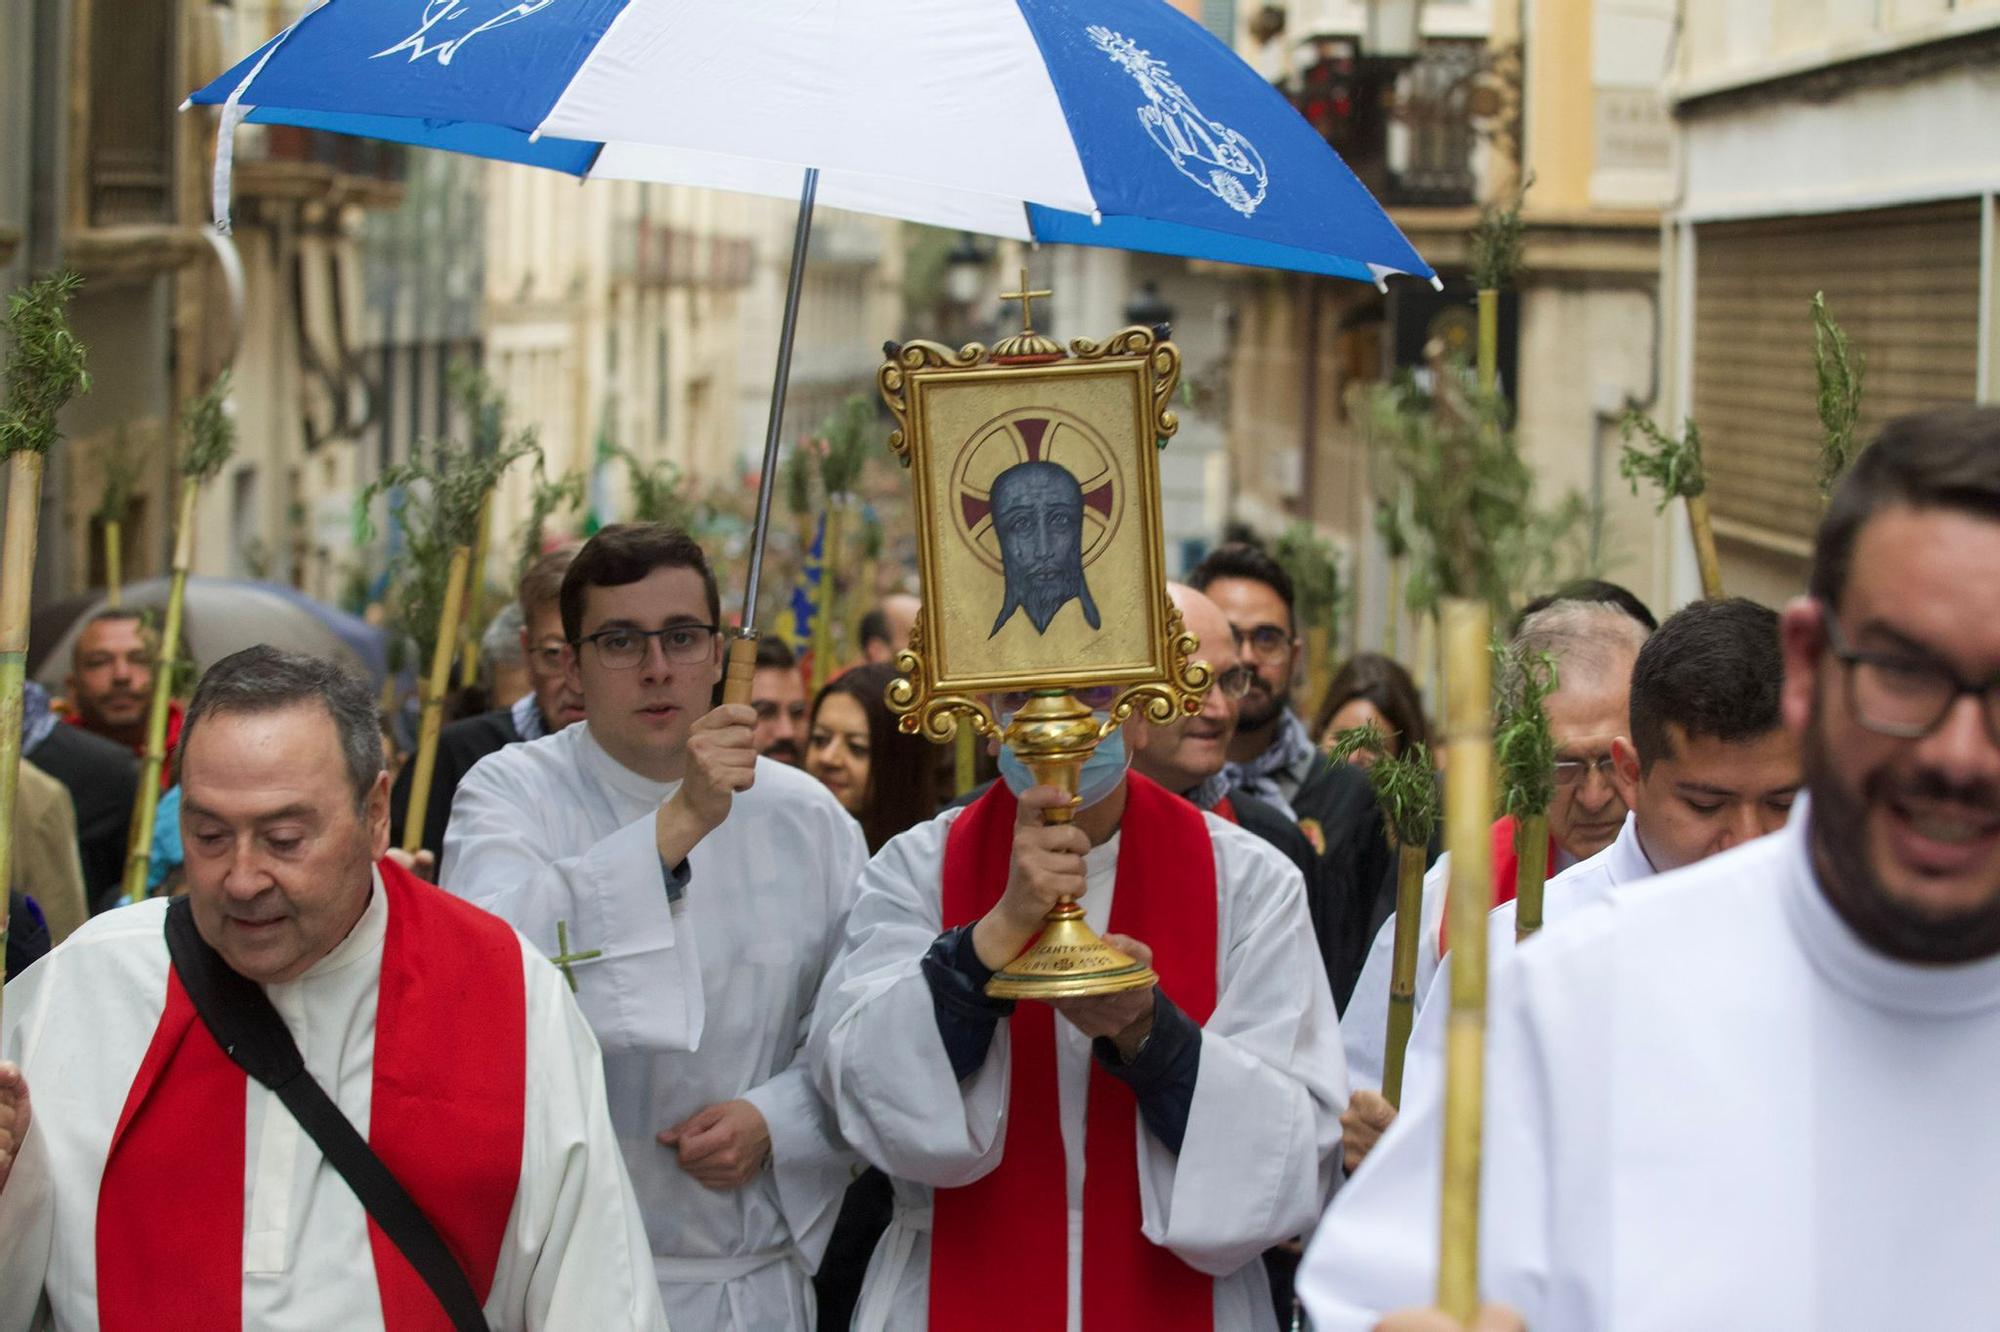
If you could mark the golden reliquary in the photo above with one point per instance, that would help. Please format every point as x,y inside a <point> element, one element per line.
<point>1036,480</point>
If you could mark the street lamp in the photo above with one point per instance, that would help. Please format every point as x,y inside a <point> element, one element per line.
<point>1392,29</point>
<point>965,270</point>
<point>1147,308</point>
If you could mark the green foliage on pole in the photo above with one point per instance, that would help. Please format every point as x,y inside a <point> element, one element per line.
<point>1524,745</point>
<point>1315,572</point>
<point>208,434</point>
<point>1405,784</point>
<point>1498,242</point>
<point>1672,463</point>
<point>1838,371</point>
<point>656,492</point>
<point>45,364</point>
<point>849,440</point>
<point>547,496</point>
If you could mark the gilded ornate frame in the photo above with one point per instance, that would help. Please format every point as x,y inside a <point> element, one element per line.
<point>930,699</point>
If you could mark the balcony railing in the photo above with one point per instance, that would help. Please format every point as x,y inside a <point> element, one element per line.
<point>1405,129</point>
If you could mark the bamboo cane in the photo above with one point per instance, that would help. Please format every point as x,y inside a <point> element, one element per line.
<point>114,564</point>
<point>1403,969</point>
<point>823,616</point>
<point>475,614</point>
<point>435,685</point>
<point>1468,806</point>
<point>146,808</point>
<point>1489,339</point>
<point>1392,611</point>
<point>17,571</point>
<point>1531,872</point>
<point>1704,546</point>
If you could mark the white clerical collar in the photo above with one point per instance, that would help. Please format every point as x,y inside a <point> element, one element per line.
<point>1856,969</point>
<point>363,941</point>
<point>595,758</point>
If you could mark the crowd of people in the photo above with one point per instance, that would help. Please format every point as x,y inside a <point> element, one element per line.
<point>679,1015</point>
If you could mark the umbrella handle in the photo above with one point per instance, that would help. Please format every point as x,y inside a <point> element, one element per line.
<point>741,668</point>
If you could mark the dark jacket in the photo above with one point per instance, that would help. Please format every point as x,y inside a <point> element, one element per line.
<point>460,745</point>
<point>102,778</point>
<point>1337,803</point>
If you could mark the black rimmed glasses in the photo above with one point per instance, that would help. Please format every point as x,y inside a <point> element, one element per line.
<point>623,649</point>
<point>1265,640</point>
<point>1906,693</point>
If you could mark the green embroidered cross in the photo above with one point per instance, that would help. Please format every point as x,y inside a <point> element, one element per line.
<point>564,957</point>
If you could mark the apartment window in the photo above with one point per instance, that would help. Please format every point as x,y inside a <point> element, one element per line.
<point>131,137</point>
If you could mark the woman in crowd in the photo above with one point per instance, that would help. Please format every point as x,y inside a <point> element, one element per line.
<point>1373,690</point>
<point>884,778</point>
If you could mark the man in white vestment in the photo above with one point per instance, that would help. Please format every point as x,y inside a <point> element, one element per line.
<point>1593,645</point>
<point>1708,765</point>
<point>1210,1099</point>
<point>1760,1092</point>
<point>695,894</point>
<point>150,1184</point>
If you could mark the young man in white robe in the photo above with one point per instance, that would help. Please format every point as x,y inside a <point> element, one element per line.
<point>1760,1092</point>
<point>1708,766</point>
<point>700,892</point>
<point>150,1183</point>
<point>1114,1161</point>
<point>1593,645</point>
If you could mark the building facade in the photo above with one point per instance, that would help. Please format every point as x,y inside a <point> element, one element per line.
<point>1840,146</point>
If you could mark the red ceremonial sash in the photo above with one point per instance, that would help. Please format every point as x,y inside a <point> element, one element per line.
<point>445,1115</point>
<point>1226,812</point>
<point>1000,1245</point>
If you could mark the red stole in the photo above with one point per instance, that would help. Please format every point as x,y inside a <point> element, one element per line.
<point>1000,1245</point>
<point>1506,870</point>
<point>445,1115</point>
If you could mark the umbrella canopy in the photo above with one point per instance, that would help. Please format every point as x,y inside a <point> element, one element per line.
<point>1119,123</point>
<point>225,615</point>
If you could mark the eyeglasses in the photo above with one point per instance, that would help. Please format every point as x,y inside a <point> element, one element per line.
<point>546,658</point>
<point>1266,640</point>
<point>768,709</point>
<point>1235,682</point>
<point>1906,694</point>
<point>1575,772</point>
<point>622,649</point>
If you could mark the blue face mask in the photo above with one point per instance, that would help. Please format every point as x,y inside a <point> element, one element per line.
<point>1100,776</point>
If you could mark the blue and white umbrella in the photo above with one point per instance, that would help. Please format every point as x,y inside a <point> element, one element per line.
<point>1119,123</point>
<point>1095,122</point>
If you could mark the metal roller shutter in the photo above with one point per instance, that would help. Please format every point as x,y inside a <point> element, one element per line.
<point>1904,284</point>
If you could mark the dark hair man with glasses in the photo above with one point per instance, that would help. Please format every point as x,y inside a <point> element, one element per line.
<point>694,894</point>
<point>549,705</point>
<point>1760,1091</point>
<point>1272,757</point>
<point>1593,645</point>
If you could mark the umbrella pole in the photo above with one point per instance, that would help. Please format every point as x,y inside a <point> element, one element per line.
<point>139,842</point>
<point>743,648</point>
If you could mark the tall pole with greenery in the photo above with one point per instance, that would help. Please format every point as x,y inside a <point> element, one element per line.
<point>1315,573</point>
<point>1674,466</point>
<point>1497,243</point>
<point>1838,370</point>
<point>547,496</point>
<point>1406,788</point>
<point>847,447</point>
<point>1469,495</point>
<point>1525,749</point>
<point>209,433</point>
<point>44,370</point>
<point>431,571</point>
<point>114,500</point>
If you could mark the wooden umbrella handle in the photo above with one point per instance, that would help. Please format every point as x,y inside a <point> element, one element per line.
<point>741,667</point>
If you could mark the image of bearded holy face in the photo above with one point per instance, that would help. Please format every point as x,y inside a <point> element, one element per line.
<point>1038,516</point>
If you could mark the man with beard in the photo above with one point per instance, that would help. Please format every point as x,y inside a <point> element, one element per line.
<point>779,696</point>
<point>1272,757</point>
<point>1760,1091</point>
<point>1038,514</point>
<point>1593,645</point>
<point>549,705</point>
<point>111,684</point>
